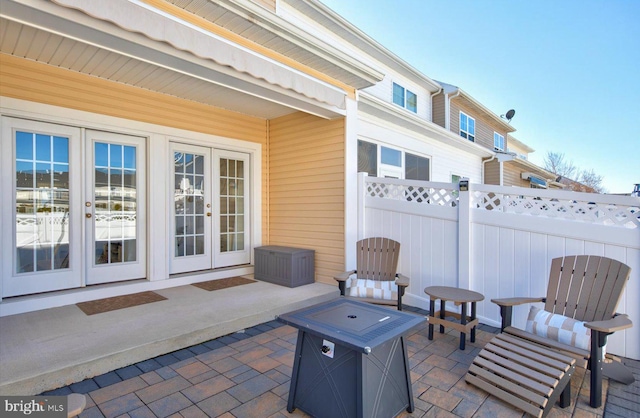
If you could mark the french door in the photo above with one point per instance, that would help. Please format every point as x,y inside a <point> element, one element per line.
<point>114,209</point>
<point>75,207</point>
<point>209,208</point>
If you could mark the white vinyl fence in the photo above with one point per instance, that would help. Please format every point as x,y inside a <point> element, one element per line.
<point>499,241</point>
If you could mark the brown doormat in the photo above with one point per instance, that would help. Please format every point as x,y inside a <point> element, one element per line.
<point>223,283</point>
<point>118,302</point>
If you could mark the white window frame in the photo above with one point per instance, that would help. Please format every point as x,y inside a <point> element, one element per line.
<point>467,134</point>
<point>405,98</point>
<point>498,138</point>
<point>393,171</point>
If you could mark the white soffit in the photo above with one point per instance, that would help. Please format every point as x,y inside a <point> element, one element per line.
<point>160,40</point>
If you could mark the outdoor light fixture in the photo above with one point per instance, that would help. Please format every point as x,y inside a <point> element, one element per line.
<point>464,184</point>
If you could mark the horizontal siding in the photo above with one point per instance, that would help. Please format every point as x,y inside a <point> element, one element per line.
<point>485,126</point>
<point>29,80</point>
<point>306,188</point>
<point>439,111</point>
<point>492,173</point>
<point>383,90</point>
<point>512,176</point>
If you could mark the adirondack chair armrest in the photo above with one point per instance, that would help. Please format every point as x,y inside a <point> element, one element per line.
<point>506,307</point>
<point>342,277</point>
<point>401,280</point>
<point>617,323</point>
<point>516,301</point>
<point>342,280</point>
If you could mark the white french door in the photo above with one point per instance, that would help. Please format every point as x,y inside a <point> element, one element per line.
<point>114,208</point>
<point>232,208</point>
<point>209,208</point>
<point>191,208</point>
<point>75,211</point>
<point>41,213</point>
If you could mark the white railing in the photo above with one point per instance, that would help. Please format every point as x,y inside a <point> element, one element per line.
<point>499,241</point>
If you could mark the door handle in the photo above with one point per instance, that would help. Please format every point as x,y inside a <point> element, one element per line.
<point>87,215</point>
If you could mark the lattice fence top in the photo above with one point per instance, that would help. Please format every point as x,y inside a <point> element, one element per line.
<point>581,207</point>
<point>414,193</point>
<point>549,207</point>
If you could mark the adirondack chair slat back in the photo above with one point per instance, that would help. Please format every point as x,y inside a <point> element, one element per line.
<point>587,288</point>
<point>377,259</point>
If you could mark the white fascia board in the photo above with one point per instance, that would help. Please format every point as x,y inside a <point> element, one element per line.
<point>538,171</point>
<point>317,11</point>
<point>518,143</point>
<point>105,34</point>
<point>284,29</point>
<point>496,118</point>
<point>396,115</point>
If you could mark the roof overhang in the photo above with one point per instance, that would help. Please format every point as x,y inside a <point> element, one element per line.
<point>168,51</point>
<point>372,106</point>
<point>323,15</point>
<point>456,93</point>
<point>264,27</point>
<point>513,140</point>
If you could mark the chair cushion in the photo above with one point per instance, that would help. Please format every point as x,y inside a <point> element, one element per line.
<point>559,328</point>
<point>376,289</point>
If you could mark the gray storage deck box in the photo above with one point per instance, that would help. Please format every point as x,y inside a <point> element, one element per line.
<point>285,266</point>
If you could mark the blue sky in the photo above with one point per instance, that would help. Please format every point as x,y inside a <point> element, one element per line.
<point>570,69</point>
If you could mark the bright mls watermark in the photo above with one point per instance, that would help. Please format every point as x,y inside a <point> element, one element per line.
<point>33,406</point>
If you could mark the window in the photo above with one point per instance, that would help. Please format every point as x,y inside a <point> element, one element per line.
<point>393,163</point>
<point>498,141</point>
<point>467,127</point>
<point>405,98</point>
<point>391,157</point>
<point>368,158</point>
<point>416,168</point>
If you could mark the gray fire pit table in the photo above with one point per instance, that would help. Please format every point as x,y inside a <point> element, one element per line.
<point>351,360</point>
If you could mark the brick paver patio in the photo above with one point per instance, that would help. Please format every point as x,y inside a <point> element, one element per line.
<point>247,374</point>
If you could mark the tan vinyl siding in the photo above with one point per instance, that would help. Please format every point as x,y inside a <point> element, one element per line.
<point>306,188</point>
<point>439,110</point>
<point>492,172</point>
<point>33,81</point>
<point>512,176</point>
<point>485,126</point>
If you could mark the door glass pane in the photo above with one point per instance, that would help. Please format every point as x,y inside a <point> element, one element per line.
<point>42,202</point>
<point>115,199</point>
<point>189,208</point>
<point>232,176</point>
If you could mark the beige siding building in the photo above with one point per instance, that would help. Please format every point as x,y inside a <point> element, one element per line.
<point>157,146</point>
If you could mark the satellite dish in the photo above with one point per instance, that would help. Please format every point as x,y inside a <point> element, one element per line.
<point>509,115</point>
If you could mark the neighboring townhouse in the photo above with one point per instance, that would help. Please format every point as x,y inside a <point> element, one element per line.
<point>457,111</point>
<point>513,168</point>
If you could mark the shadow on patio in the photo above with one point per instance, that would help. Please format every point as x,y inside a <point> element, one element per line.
<point>235,373</point>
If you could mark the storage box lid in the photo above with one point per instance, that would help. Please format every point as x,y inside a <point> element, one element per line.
<point>281,249</point>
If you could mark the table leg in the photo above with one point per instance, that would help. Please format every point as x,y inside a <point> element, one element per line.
<point>294,375</point>
<point>463,321</point>
<point>432,308</point>
<point>442,313</point>
<point>473,317</point>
